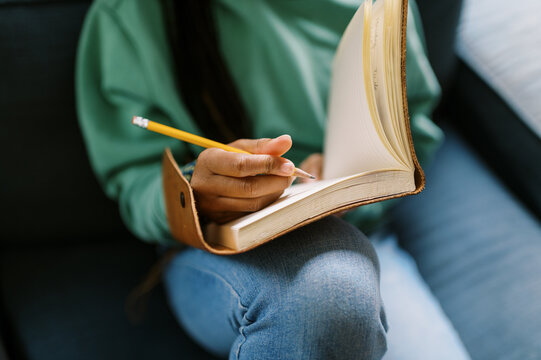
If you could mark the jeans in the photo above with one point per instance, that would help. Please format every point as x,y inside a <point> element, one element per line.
<point>311,294</point>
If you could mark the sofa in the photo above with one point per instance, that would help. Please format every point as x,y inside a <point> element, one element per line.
<point>67,264</point>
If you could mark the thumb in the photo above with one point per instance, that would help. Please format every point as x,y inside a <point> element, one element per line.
<point>277,146</point>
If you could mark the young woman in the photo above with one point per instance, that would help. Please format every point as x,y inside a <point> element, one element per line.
<point>252,70</point>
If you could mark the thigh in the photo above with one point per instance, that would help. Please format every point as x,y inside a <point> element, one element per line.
<point>479,250</point>
<point>280,293</point>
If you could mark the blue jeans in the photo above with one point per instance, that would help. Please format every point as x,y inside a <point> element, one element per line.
<point>311,294</point>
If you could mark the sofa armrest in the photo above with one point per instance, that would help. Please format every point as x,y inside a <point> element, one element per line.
<point>497,91</point>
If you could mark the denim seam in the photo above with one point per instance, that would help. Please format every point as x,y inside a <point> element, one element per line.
<point>241,331</point>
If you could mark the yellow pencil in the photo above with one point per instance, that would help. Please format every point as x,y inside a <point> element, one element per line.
<point>196,140</point>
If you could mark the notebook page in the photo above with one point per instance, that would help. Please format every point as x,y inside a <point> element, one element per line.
<point>291,195</point>
<point>352,144</point>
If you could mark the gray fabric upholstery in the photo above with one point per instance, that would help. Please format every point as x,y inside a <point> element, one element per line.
<point>68,302</point>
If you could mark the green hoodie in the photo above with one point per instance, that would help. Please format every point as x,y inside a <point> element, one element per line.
<point>279,54</point>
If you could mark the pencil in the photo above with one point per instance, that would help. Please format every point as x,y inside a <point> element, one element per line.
<point>197,140</point>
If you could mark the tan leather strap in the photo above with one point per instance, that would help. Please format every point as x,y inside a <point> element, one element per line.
<point>419,174</point>
<point>180,208</point>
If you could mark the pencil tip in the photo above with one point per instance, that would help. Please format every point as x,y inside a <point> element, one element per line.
<point>301,173</point>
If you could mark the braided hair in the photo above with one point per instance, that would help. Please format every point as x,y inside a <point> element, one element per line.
<point>203,79</point>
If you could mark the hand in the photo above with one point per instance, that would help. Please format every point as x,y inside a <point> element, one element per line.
<point>228,185</point>
<point>313,164</point>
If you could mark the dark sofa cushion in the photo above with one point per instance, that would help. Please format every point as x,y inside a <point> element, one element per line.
<point>511,148</point>
<point>48,191</point>
<point>440,19</point>
<point>68,302</point>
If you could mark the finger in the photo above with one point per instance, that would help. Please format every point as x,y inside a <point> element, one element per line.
<point>224,217</point>
<point>236,205</point>
<point>242,165</point>
<point>249,187</point>
<point>277,146</point>
<point>220,217</point>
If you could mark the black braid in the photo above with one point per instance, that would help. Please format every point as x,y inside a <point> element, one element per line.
<point>203,79</point>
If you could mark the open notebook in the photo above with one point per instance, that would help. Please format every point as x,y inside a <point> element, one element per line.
<point>368,149</point>
<point>369,154</point>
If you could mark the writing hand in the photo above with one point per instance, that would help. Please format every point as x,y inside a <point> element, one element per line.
<point>228,185</point>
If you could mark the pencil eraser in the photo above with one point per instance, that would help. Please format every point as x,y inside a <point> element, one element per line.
<point>140,121</point>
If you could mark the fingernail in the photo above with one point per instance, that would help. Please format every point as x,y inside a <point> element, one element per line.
<point>285,135</point>
<point>287,168</point>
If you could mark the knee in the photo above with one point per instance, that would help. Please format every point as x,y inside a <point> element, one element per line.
<point>322,295</point>
<point>338,280</point>
<point>335,300</point>
<point>340,285</point>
